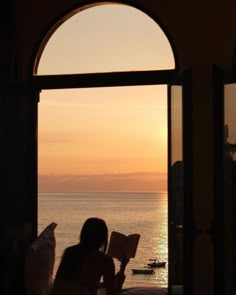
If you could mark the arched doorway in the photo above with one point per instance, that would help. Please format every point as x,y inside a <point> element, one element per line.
<point>95,75</point>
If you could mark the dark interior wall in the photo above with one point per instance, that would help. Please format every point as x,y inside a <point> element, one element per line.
<point>203,33</point>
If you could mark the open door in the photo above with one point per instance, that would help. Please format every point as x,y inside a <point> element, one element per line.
<point>230,180</point>
<point>225,179</point>
<point>179,184</point>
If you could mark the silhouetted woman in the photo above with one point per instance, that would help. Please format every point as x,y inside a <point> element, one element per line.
<point>83,265</point>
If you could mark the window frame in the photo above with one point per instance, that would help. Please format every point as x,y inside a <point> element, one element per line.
<point>109,79</point>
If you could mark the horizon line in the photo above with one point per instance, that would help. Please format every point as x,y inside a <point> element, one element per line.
<point>105,192</point>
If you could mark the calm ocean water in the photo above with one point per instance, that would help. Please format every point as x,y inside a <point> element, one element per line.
<point>144,213</point>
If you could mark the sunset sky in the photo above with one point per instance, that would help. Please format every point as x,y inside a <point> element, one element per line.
<point>104,139</point>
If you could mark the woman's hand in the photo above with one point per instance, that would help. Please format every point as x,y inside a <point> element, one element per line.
<point>123,263</point>
<point>120,276</point>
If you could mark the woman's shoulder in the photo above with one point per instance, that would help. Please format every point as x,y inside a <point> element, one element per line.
<point>71,250</point>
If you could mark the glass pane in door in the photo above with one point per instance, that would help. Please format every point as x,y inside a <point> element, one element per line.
<point>229,182</point>
<point>176,185</point>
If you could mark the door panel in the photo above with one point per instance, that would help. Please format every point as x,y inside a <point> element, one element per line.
<point>176,184</point>
<point>179,184</point>
<point>229,180</point>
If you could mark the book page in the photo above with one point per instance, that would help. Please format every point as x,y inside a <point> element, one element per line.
<point>132,246</point>
<point>117,245</point>
<point>122,246</point>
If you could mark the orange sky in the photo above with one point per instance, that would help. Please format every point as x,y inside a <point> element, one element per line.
<point>104,139</point>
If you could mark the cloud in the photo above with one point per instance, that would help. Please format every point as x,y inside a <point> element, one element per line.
<point>117,182</point>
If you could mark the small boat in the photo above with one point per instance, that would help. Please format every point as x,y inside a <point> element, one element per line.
<point>144,271</point>
<point>156,263</point>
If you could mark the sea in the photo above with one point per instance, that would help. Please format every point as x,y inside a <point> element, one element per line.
<point>144,213</point>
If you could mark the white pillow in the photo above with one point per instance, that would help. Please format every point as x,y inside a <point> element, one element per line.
<point>39,262</point>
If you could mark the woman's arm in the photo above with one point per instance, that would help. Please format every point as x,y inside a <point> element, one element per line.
<point>109,276</point>
<point>113,283</point>
<point>120,276</point>
<point>64,267</point>
<point>123,264</point>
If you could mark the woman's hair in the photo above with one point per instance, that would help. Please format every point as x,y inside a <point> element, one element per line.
<point>94,234</point>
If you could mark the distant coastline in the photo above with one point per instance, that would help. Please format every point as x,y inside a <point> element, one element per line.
<point>113,182</point>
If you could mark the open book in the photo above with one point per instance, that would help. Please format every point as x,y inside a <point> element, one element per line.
<point>122,246</point>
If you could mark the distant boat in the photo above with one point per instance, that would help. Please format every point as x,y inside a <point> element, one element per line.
<point>144,271</point>
<point>156,263</point>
